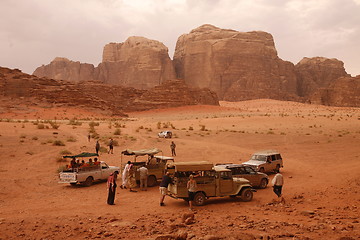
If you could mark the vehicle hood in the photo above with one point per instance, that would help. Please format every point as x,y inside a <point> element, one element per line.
<point>253,163</point>
<point>241,180</point>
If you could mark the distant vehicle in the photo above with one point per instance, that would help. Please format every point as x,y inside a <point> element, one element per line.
<point>88,174</point>
<point>154,163</point>
<point>165,134</point>
<point>266,161</point>
<point>212,181</point>
<point>257,179</point>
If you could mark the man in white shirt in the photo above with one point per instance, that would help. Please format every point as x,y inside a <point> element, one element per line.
<point>143,178</point>
<point>278,182</point>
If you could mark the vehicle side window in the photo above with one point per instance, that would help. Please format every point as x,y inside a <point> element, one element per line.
<point>242,170</point>
<point>249,170</point>
<point>273,157</point>
<point>278,156</point>
<point>104,166</point>
<point>225,175</point>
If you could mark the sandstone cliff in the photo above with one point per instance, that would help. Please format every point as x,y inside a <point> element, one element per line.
<point>115,100</point>
<point>64,69</point>
<point>317,72</point>
<point>236,65</point>
<point>343,92</point>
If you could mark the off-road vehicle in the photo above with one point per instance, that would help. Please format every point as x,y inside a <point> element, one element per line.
<point>154,163</point>
<point>266,161</point>
<point>212,181</point>
<point>257,179</point>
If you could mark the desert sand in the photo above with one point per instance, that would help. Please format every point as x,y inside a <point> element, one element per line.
<point>319,145</point>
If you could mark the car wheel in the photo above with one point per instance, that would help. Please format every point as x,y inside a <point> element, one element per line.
<point>89,181</point>
<point>277,168</point>
<point>151,181</point>
<point>199,199</point>
<point>262,170</point>
<point>263,183</point>
<point>246,195</point>
<point>73,183</point>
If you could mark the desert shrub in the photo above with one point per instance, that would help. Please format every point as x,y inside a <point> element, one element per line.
<point>93,124</point>
<point>22,140</point>
<point>54,125</point>
<point>117,131</point>
<point>22,136</point>
<point>35,138</point>
<point>103,150</point>
<point>29,153</point>
<point>202,128</point>
<point>58,143</point>
<point>191,128</point>
<point>115,142</point>
<point>149,130</point>
<point>61,168</point>
<point>65,152</point>
<point>158,125</point>
<point>74,122</point>
<point>40,126</point>
<point>71,139</point>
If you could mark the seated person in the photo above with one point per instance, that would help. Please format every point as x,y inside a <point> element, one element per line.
<point>96,162</point>
<point>83,164</point>
<point>72,163</point>
<point>91,162</point>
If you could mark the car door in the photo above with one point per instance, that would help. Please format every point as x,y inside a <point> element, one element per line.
<point>226,182</point>
<point>105,170</point>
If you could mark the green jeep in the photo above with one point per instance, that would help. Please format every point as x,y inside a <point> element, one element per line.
<point>212,181</point>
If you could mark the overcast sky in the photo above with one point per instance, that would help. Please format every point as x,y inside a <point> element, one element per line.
<point>34,32</point>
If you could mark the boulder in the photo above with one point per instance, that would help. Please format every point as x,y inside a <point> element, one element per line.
<point>235,65</point>
<point>317,72</point>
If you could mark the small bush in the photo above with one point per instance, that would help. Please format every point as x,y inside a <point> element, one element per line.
<point>35,138</point>
<point>54,125</point>
<point>191,128</point>
<point>74,122</point>
<point>65,152</point>
<point>58,143</point>
<point>93,124</point>
<point>29,153</point>
<point>117,131</point>
<point>103,150</point>
<point>71,139</point>
<point>158,125</point>
<point>41,126</point>
<point>22,136</point>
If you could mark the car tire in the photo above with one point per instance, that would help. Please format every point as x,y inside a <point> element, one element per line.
<point>263,183</point>
<point>73,183</point>
<point>262,170</point>
<point>89,181</point>
<point>151,181</point>
<point>277,168</point>
<point>246,195</point>
<point>199,199</point>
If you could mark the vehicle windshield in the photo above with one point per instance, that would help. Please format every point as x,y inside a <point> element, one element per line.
<point>259,158</point>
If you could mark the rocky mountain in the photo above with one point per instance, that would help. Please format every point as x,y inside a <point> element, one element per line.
<point>317,72</point>
<point>235,65</point>
<point>138,62</point>
<point>113,99</point>
<point>343,92</point>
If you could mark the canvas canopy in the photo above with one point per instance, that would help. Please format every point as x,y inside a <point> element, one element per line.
<point>83,154</point>
<point>192,166</point>
<point>142,152</point>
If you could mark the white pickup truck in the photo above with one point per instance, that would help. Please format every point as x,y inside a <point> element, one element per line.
<point>87,175</point>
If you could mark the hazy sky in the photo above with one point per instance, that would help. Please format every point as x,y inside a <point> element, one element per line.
<point>34,32</point>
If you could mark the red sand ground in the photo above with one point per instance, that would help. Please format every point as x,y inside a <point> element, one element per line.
<point>319,145</point>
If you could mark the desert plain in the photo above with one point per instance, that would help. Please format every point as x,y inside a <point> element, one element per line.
<point>319,146</point>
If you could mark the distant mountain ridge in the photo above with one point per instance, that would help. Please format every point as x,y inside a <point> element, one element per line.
<point>235,65</point>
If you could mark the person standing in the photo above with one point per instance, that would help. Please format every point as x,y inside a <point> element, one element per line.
<point>173,146</point>
<point>192,187</point>
<point>111,146</point>
<point>144,172</point>
<point>89,137</point>
<point>166,180</point>
<point>111,186</point>
<point>278,182</point>
<point>125,175</point>
<point>132,181</point>
<point>97,147</point>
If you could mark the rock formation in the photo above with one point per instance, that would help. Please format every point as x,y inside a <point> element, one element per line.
<point>343,92</point>
<point>64,69</point>
<point>236,65</point>
<point>94,95</point>
<point>317,72</point>
<point>138,62</point>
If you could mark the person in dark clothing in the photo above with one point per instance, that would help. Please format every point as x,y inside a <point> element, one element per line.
<point>172,147</point>
<point>111,146</point>
<point>166,180</point>
<point>111,185</point>
<point>97,147</point>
